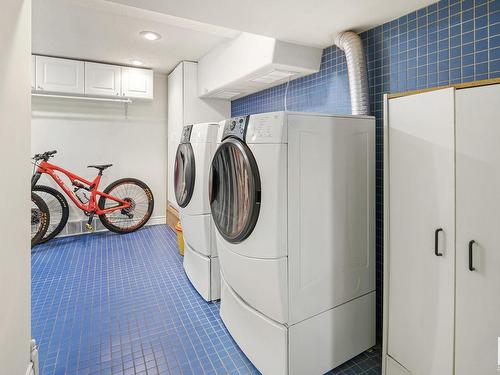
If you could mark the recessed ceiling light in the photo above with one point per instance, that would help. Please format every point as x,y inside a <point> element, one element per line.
<point>150,35</point>
<point>136,62</point>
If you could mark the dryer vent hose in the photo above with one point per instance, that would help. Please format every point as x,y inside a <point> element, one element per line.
<point>351,44</point>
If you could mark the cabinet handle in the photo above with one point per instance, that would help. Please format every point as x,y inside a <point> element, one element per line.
<point>471,256</point>
<point>436,242</point>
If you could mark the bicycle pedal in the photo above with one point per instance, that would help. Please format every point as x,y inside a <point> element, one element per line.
<point>89,227</point>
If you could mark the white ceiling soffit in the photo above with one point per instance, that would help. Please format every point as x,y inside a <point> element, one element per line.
<point>103,31</point>
<point>310,22</point>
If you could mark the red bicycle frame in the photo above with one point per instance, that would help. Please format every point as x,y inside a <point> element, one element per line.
<point>91,186</point>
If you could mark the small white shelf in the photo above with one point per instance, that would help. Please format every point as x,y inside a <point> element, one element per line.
<point>76,97</point>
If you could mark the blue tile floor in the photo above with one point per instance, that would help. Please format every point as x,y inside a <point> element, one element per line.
<point>112,304</point>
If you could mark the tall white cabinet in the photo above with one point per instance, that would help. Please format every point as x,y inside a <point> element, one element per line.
<point>184,108</point>
<point>442,219</point>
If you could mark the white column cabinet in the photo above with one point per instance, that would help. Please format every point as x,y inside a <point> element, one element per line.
<point>175,115</point>
<point>103,79</point>
<point>184,108</point>
<point>60,75</point>
<point>442,197</point>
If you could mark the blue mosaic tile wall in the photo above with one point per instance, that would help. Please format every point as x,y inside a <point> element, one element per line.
<point>451,41</point>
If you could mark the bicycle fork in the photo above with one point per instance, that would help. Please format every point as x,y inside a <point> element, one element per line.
<point>34,179</point>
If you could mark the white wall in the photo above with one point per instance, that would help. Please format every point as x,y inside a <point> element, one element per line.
<point>87,132</point>
<point>15,261</point>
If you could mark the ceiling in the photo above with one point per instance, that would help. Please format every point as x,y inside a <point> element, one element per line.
<point>108,30</point>
<point>310,22</point>
<point>102,31</point>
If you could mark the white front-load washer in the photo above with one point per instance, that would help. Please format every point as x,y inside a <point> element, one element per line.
<point>293,201</point>
<point>191,184</point>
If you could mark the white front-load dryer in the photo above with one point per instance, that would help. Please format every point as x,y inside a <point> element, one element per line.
<point>293,201</point>
<point>191,183</point>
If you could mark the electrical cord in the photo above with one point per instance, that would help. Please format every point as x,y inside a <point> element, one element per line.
<point>286,93</point>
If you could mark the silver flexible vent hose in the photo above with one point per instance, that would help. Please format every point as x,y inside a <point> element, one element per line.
<point>351,44</point>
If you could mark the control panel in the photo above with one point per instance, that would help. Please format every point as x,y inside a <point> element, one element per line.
<point>186,133</point>
<point>235,127</point>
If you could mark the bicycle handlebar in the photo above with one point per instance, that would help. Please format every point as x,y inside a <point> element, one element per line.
<point>45,156</point>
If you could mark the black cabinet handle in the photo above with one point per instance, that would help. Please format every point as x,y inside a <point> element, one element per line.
<point>436,242</point>
<point>471,258</point>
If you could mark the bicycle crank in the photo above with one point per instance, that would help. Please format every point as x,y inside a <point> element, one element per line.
<point>89,225</point>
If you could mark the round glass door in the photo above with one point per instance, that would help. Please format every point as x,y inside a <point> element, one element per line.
<point>235,190</point>
<point>184,174</point>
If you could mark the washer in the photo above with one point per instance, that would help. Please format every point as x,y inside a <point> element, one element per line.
<point>191,183</point>
<point>293,201</point>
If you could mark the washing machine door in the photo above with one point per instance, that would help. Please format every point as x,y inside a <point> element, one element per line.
<point>235,191</point>
<point>184,174</point>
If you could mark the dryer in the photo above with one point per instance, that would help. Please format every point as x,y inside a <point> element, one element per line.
<point>191,184</point>
<point>293,200</point>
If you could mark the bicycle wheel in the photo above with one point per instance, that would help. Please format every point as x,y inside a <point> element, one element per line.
<point>58,208</point>
<point>40,218</point>
<point>130,219</point>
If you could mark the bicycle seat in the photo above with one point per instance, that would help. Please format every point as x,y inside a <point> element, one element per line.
<point>100,167</point>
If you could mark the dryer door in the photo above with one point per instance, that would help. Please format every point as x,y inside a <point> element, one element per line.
<point>184,174</point>
<point>234,190</point>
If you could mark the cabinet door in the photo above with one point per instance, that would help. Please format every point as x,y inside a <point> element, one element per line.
<point>394,368</point>
<point>421,209</point>
<point>198,109</point>
<point>478,220</point>
<point>103,79</point>
<point>33,72</point>
<point>137,83</point>
<point>60,75</point>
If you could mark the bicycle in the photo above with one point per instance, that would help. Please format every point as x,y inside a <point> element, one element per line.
<point>58,208</point>
<point>123,207</point>
<point>40,218</point>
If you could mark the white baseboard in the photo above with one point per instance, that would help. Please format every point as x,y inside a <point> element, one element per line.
<point>77,227</point>
<point>29,370</point>
<point>157,220</point>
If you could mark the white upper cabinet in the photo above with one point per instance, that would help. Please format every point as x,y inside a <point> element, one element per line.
<point>66,76</point>
<point>103,79</point>
<point>60,75</point>
<point>137,83</point>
